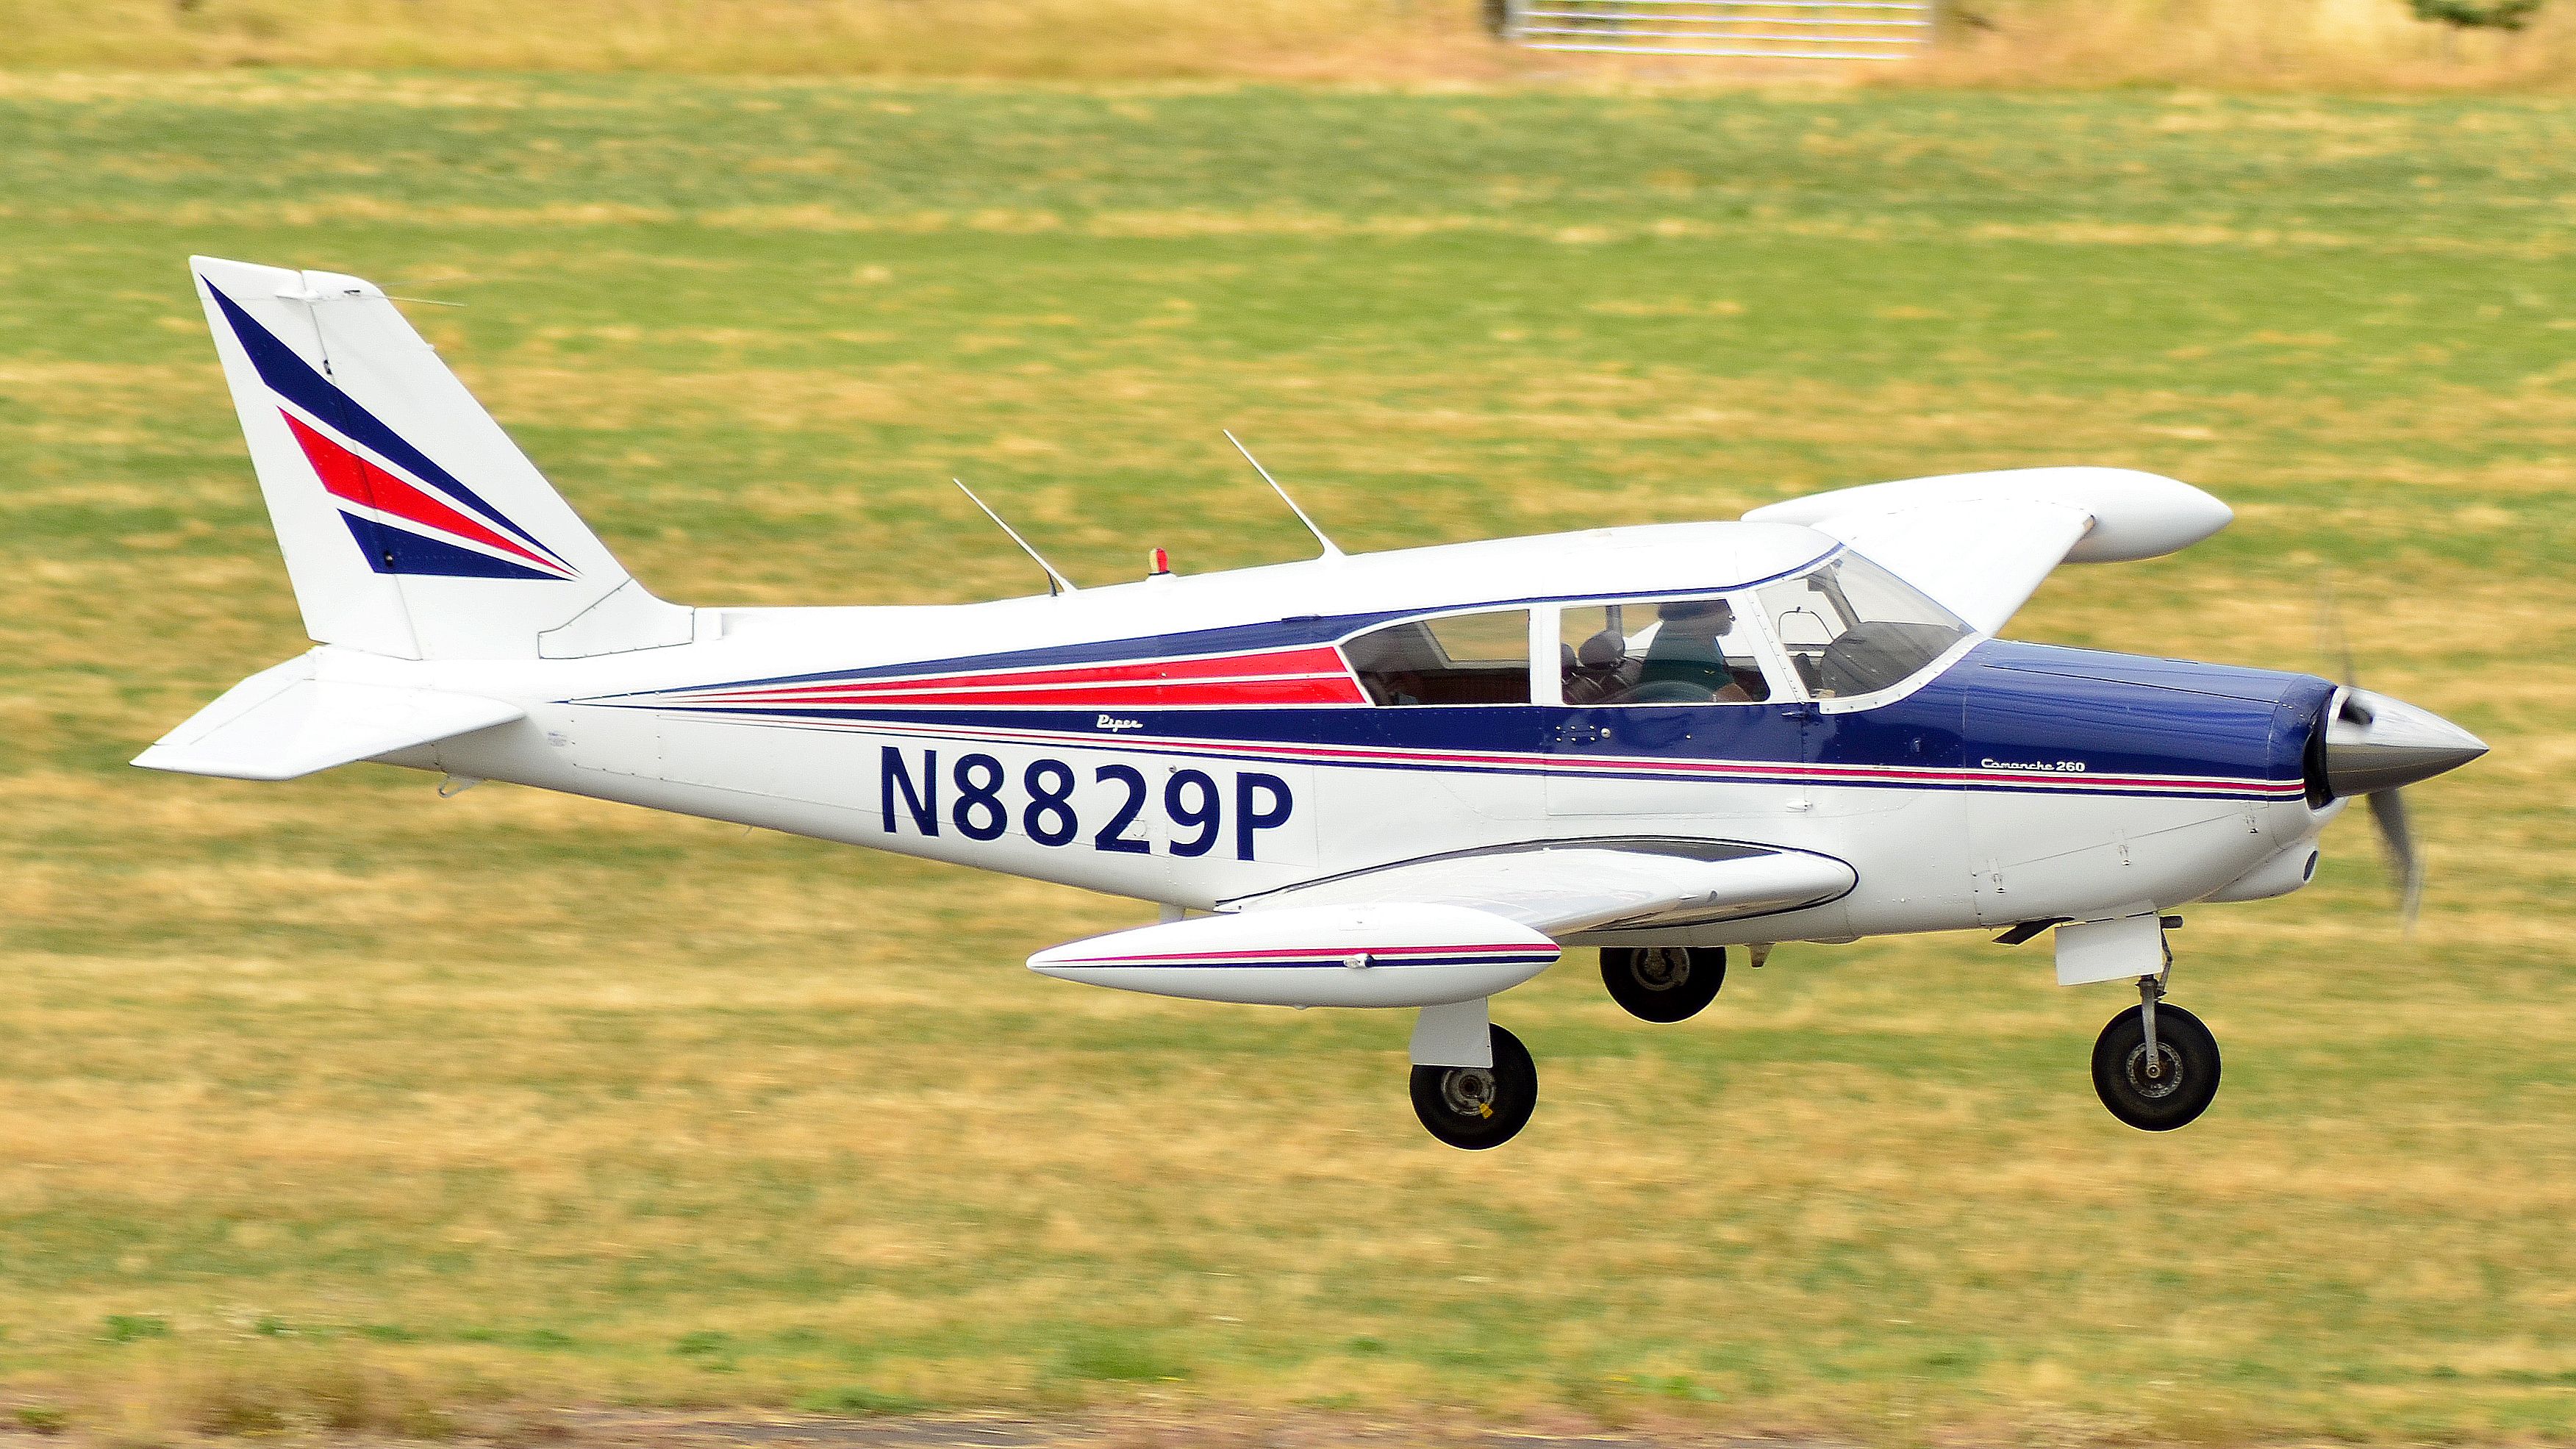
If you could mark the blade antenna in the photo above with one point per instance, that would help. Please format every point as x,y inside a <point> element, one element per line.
<point>1331,549</point>
<point>1056,582</point>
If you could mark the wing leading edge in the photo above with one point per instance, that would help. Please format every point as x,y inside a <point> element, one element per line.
<point>1560,889</point>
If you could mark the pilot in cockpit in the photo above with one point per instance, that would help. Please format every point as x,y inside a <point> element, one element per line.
<point>1688,656</point>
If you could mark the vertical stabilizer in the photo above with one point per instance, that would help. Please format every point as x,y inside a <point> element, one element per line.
<point>412,526</point>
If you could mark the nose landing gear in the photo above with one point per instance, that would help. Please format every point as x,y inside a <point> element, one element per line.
<point>2156,1067</point>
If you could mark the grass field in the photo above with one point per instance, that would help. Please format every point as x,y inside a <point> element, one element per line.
<point>2305,45</point>
<point>336,1103</point>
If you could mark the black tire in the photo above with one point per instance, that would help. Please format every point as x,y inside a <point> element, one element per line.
<point>2189,1061</point>
<point>1479,1107</point>
<point>1663,983</point>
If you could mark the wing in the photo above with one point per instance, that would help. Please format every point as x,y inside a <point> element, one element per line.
<point>1980,543</point>
<point>1559,890</point>
<point>1447,929</point>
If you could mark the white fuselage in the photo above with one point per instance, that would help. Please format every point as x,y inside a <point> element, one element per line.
<point>1137,800</point>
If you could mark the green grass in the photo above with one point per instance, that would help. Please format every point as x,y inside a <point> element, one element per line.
<point>333,1094</point>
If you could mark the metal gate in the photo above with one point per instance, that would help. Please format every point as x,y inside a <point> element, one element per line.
<point>1782,29</point>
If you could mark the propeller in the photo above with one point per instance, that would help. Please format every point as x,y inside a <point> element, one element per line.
<point>2376,745</point>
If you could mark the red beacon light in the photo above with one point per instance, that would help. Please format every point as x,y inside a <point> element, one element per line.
<point>1160,564</point>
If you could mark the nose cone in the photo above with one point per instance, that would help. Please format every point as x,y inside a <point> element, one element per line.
<point>2377,743</point>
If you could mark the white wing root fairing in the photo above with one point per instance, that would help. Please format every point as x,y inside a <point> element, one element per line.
<point>1981,543</point>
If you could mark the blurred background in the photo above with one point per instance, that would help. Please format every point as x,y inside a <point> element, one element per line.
<point>335,1107</point>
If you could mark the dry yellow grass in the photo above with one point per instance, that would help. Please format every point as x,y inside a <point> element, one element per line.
<point>2260,44</point>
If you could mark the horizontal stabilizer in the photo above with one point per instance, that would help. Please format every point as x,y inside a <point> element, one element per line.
<point>283,722</point>
<point>1981,543</point>
<point>1562,888</point>
<point>1374,955</point>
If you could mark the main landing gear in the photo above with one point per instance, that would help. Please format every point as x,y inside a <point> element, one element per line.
<point>2155,1067</point>
<point>1663,983</point>
<point>1479,1107</point>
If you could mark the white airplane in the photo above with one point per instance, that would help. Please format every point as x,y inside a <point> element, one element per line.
<point>1403,779</point>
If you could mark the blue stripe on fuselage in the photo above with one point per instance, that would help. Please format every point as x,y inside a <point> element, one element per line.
<point>2088,709</point>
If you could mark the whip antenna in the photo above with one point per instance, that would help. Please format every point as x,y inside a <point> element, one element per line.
<point>1331,549</point>
<point>1056,582</point>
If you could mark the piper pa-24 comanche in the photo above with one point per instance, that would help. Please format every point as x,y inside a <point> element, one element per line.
<point>1403,779</point>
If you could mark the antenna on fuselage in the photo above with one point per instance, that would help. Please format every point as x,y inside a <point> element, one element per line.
<point>1331,549</point>
<point>1056,582</point>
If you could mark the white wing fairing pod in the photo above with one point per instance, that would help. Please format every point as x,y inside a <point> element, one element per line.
<point>1358,955</point>
<point>1980,543</point>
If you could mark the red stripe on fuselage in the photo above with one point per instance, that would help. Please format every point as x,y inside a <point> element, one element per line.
<point>1316,953</point>
<point>1298,676</point>
<point>1307,690</point>
<point>346,475</point>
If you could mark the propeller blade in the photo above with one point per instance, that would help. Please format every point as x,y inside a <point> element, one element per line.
<point>2387,742</point>
<point>2388,812</point>
<point>2332,640</point>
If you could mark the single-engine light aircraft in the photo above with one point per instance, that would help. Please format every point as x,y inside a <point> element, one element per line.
<point>1405,779</point>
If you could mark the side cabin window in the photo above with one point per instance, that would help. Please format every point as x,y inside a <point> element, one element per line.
<point>1462,659</point>
<point>1852,627</point>
<point>1658,651</point>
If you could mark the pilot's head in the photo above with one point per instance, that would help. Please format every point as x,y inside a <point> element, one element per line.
<point>1712,617</point>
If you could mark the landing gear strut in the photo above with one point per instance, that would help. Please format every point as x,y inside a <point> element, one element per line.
<point>2156,1067</point>
<point>1479,1107</point>
<point>1663,983</point>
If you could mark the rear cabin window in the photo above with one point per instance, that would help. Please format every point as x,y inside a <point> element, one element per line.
<point>1462,659</point>
<point>1658,651</point>
<point>1852,627</point>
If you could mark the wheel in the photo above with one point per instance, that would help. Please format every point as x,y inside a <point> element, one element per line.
<point>1663,983</point>
<point>1478,1107</point>
<point>2185,1075</point>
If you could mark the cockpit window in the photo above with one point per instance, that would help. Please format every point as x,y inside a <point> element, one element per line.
<point>1669,651</point>
<point>1462,659</point>
<point>1852,627</point>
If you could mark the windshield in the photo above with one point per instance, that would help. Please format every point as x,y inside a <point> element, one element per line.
<point>1852,627</point>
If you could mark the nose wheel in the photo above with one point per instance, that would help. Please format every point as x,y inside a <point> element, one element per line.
<point>1663,983</point>
<point>1479,1107</point>
<point>2155,1066</point>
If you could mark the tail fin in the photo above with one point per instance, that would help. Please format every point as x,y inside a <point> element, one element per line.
<point>412,526</point>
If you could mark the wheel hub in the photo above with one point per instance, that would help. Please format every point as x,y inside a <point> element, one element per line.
<point>2156,1079</point>
<point>1469,1091</point>
<point>1660,968</point>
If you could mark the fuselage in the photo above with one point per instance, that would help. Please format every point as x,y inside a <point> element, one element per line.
<point>1194,740</point>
